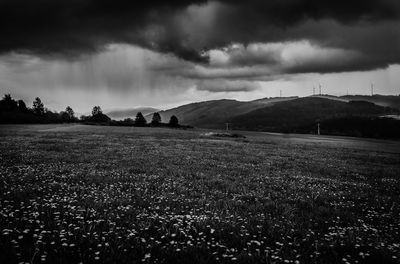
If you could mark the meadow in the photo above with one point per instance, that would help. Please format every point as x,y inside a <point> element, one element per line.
<point>92,194</point>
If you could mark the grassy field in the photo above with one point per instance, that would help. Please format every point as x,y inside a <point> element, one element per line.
<point>90,194</point>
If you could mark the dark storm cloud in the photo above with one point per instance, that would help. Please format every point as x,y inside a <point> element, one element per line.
<point>74,27</point>
<point>347,11</point>
<point>183,28</point>
<point>263,61</point>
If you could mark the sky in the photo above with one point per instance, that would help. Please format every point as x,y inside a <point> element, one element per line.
<point>124,54</point>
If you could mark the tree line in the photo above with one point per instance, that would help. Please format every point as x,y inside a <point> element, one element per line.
<point>16,112</point>
<point>98,117</point>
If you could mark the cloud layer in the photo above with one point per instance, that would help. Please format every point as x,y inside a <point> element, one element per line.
<point>190,29</point>
<point>227,86</point>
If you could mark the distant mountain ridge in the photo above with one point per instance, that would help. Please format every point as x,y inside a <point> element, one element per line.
<point>392,101</point>
<point>130,113</point>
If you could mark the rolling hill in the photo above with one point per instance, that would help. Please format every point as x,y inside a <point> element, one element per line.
<point>214,114</point>
<point>290,116</point>
<point>392,101</point>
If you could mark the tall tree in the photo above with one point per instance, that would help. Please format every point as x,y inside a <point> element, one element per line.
<point>70,113</point>
<point>38,107</point>
<point>7,97</point>
<point>96,111</point>
<point>173,121</point>
<point>7,103</point>
<point>156,119</point>
<point>140,120</point>
<point>98,116</point>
